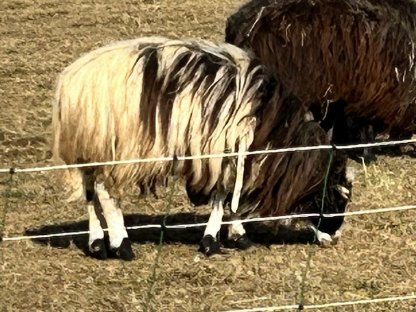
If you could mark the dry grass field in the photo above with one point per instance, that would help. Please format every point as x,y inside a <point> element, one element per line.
<point>376,256</point>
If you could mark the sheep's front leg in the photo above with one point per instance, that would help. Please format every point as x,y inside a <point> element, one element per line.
<point>237,237</point>
<point>210,242</point>
<point>120,244</point>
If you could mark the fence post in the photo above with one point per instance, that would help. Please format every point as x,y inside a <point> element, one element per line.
<point>312,247</point>
<point>153,277</point>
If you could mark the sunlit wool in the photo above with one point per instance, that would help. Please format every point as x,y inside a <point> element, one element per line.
<point>155,97</point>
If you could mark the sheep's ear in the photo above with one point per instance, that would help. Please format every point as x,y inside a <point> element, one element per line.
<point>269,89</point>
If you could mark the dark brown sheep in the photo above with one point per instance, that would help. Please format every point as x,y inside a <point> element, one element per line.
<point>360,54</point>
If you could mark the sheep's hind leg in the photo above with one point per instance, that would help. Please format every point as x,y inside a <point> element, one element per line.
<point>96,245</point>
<point>120,244</point>
<point>210,242</point>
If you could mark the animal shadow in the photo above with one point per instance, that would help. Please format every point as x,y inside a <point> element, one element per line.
<point>258,233</point>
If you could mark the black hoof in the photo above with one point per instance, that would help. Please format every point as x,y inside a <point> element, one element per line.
<point>242,242</point>
<point>209,246</point>
<point>124,252</point>
<point>98,250</point>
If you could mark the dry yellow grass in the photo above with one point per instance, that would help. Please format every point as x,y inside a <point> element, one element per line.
<point>375,258</point>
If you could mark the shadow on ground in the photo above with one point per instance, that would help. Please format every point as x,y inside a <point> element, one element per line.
<point>259,233</point>
<point>371,154</point>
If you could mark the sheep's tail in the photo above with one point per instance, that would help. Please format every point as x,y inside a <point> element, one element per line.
<point>56,123</point>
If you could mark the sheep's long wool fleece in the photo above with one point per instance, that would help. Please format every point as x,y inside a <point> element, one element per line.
<point>154,97</point>
<point>359,51</point>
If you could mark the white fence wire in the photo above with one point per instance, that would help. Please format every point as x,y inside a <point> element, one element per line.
<point>13,170</point>
<point>328,305</point>
<point>207,156</point>
<point>193,225</point>
<point>234,154</point>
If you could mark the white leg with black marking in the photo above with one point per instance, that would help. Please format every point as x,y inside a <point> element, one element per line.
<point>117,233</point>
<point>96,231</point>
<point>236,230</point>
<point>237,237</point>
<point>96,243</point>
<point>215,218</point>
<point>209,243</point>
